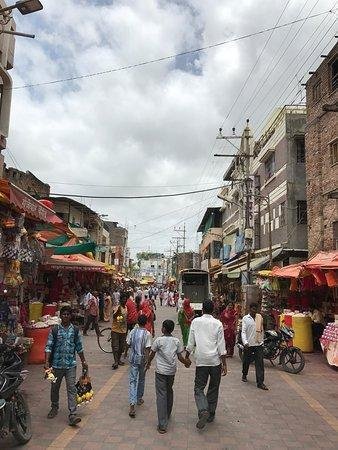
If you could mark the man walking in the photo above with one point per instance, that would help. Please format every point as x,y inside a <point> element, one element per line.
<point>93,315</point>
<point>63,342</point>
<point>139,341</point>
<point>252,339</point>
<point>119,332</point>
<point>207,338</point>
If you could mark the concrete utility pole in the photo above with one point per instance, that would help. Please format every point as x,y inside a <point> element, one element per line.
<point>181,238</point>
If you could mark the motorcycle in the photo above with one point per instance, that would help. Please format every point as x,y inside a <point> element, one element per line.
<point>277,344</point>
<point>15,417</point>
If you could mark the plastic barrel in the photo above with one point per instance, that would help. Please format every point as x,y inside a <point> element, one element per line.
<point>49,310</point>
<point>37,352</point>
<point>35,311</point>
<point>302,327</point>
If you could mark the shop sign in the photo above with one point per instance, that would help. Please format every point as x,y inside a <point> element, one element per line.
<point>31,206</point>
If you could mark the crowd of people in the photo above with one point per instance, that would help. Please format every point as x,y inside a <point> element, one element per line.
<point>209,335</point>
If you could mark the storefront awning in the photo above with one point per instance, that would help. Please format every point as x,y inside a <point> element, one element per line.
<point>80,263</point>
<point>324,260</point>
<point>27,204</point>
<point>235,270</point>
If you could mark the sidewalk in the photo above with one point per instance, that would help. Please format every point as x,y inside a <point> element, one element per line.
<point>299,411</point>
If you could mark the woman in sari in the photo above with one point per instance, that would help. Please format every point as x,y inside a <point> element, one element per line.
<point>185,317</point>
<point>107,309</point>
<point>146,309</point>
<point>229,321</point>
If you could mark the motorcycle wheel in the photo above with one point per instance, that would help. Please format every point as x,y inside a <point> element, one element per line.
<point>293,360</point>
<point>22,427</point>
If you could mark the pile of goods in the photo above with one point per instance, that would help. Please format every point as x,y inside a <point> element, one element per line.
<point>84,390</point>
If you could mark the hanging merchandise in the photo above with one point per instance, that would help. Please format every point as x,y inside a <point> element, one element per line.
<point>294,285</point>
<point>12,275</point>
<point>332,278</point>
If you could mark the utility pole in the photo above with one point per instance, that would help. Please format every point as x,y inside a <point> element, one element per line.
<point>248,230</point>
<point>180,240</point>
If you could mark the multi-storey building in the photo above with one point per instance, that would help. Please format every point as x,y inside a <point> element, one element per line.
<point>272,202</point>
<point>118,241</point>
<point>322,154</point>
<point>211,243</point>
<point>152,265</point>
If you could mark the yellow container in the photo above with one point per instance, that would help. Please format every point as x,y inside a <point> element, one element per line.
<point>35,311</point>
<point>302,327</point>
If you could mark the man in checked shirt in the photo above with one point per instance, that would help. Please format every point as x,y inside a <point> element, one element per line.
<point>63,342</point>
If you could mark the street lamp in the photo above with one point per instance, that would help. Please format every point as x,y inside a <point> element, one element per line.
<point>25,7</point>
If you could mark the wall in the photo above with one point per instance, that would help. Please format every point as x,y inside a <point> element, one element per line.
<point>322,176</point>
<point>27,182</point>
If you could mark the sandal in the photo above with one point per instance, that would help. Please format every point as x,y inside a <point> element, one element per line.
<point>132,412</point>
<point>140,401</point>
<point>115,366</point>
<point>161,430</point>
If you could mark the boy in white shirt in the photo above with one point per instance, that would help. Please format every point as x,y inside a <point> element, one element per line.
<point>167,349</point>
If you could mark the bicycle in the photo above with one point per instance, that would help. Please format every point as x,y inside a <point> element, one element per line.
<point>104,341</point>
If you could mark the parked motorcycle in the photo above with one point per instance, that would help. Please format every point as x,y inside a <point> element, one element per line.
<point>277,344</point>
<point>15,417</point>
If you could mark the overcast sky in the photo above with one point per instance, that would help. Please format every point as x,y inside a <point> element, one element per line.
<point>152,129</point>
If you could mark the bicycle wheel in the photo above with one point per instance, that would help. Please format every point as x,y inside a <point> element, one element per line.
<point>105,340</point>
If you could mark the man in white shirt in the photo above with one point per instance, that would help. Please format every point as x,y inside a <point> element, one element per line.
<point>206,336</point>
<point>252,339</point>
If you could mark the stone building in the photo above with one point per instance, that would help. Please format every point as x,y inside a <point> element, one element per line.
<point>321,142</point>
<point>118,237</point>
<point>27,181</point>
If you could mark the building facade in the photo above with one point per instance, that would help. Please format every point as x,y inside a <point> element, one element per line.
<point>153,265</point>
<point>264,209</point>
<point>211,243</point>
<point>321,144</point>
<point>26,181</point>
<point>7,47</point>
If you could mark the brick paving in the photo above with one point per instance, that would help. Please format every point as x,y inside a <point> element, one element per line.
<point>299,411</point>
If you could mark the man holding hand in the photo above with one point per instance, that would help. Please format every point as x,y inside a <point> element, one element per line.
<point>207,338</point>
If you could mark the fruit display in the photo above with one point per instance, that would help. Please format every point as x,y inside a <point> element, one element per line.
<point>84,389</point>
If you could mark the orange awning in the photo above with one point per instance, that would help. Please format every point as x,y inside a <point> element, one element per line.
<point>74,262</point>
<point>292,271</point>
<point>324,260</point>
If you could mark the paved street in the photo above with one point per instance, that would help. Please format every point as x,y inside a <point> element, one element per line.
<point>299,411</point>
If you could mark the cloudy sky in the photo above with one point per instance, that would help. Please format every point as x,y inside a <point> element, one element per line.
<point>152,129</point>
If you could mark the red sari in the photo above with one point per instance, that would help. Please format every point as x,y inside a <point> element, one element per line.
<point>146,310</point>
<point>229,321</point>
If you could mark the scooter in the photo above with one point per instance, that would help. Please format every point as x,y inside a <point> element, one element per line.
<point>15,416</point>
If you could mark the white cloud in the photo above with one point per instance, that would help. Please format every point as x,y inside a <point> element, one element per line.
<point>153,125</point>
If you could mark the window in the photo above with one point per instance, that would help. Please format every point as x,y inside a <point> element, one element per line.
<point>334,75</point>
<point>282,221</point>
<point>300,149</point>
<point>301,212</point>
<point>270,166</point>
<point>317,91</point>
<point>334,152</point>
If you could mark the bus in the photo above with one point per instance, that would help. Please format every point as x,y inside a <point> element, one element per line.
<point>195,285</point>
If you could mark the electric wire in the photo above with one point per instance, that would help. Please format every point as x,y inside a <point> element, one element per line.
<point>292,79</point>
<point>131,197</point>
<point>164,58</point>
<point>269,72</point>
<point>255,64</point>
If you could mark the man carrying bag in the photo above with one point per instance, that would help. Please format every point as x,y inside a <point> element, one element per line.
<point>63,342</point>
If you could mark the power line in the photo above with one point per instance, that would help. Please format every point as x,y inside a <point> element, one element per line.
<point>165,58</point>
<point>130,197</point>
<point>268,72</point>
<point>292,79</point>
<point>255,64</point>
<point>125,186</point>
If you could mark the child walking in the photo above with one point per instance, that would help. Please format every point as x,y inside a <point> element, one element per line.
<point>139,341</point>
<point>167,349</point>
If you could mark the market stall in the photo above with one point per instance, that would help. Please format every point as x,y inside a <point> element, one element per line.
<point>21,252</point>
<point>311,303</point>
